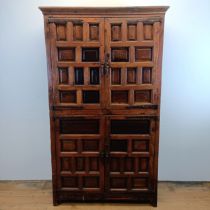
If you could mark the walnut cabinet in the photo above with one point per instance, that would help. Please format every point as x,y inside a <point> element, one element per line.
<point>104,72</point>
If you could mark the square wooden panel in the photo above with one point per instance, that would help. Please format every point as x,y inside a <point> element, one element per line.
<point>120,54</point>
<point>132,32</point>
<point>94,32</point>
<point>90,54</point>
<point>114,164</point>
<point>66,164</point>
<point>148,31</point>
<point>78,76</point>
<point>90,145</point>
<point>143,54</point>
<point>63,75</point>
<point>142,96</point>
<point>91,182</point>
<point>91,96</point>
<point>143,164</point>
<point>61,32</point>
<point>129,164</point>
<point>94,75</point>
<point>118,182</point>
<point>79,126</point>
<point>66,54</point>
<point>93,164</point>
<point>116,76</point>
<point>131,75</point>
<point>146,75</point>
<point>118,145</point>
<point>130,126</point>
<point>139,145</point>
<point>68,96</point>
<point>78,32</point>
<point>116,33</point>
<point>80,164</point>
<point>119,96</point>
<point>139,183</point>
<point>69,145</point>
<point>69,182</point>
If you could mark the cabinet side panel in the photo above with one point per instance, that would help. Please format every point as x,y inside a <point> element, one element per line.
<point>48,43</point>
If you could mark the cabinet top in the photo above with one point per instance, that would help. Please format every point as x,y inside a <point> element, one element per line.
<point>104,10</point>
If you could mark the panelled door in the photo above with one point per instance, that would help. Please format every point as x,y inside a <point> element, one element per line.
<point>78,52</point>
<point>79,163</point>
<point>131,53</point>
<point>131,141</point>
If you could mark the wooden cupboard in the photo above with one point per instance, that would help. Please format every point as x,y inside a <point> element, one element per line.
<point>104,76</point>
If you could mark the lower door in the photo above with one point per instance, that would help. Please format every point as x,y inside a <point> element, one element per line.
<point>80,169</point>
<point>130,155</point>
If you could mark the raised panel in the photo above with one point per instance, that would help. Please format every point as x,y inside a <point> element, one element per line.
<point>65,164</point>
<point>69,182</point>
<point>120,54</point>
<point>146,75</point>
<point>143,164</point>
<point>91,96</point>
<point>116,33</point>
<point>66,54</point>
<point>68,96</point>
<point>139,183</point>
<point>114,164</point>
<point>94,32</point>
<point>79,126</point>
<point>61,32</point>
<point>91,182</point>
<point>148,31</point>
<point>132,32</point>
<point>63,75</point>
<point>140,145</point>
<point>118,145</point>
<point>90,145</point>
<point>78,76</point>
<point>131,75</point>
<point>78,32</point>
<point>68,146</point>
<point>90,54</point>
<point>118,182</point>
<point>142,96</point>
<point>119,96</point>
<point>93,164</point>
<point>94,76</point>
<point>80,164</point>
<point>130,126</point>
<point>129,164</point>
<point>116,76</point>
<point>143,54</point>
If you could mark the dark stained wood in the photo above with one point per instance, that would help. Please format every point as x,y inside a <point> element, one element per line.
<point>104,73</point>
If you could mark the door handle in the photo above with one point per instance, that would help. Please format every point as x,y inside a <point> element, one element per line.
<point>106,64</point>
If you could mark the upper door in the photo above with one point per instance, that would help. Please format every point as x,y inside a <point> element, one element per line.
<point>77,51</point>
<point>110,63</point>
<point>132,48</point>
